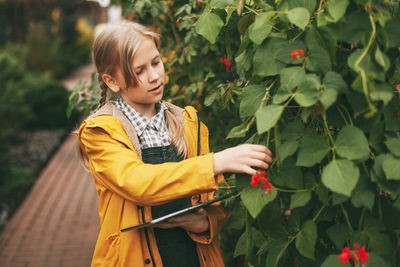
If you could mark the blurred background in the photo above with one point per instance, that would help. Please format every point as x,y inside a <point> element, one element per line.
<point>42,44</point>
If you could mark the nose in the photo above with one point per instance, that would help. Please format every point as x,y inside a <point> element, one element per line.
<point>154,76</point>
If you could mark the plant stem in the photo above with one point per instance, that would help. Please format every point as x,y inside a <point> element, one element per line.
<point>347,113</point>
<point>249,239</point>
<point>361,70</point>
<point>293,190</point>
<point>323,114</point>
<point>360,223</point>
<point>346,215</point>
<point>252,10</point>
<point>318,213</point>
<point>341,115</point>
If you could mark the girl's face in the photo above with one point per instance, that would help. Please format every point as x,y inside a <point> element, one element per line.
<point>150,73</point>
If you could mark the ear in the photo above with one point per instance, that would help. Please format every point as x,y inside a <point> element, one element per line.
<point>111,82</point>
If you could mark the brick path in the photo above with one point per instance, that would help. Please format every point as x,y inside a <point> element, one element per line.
<point>57,224</point>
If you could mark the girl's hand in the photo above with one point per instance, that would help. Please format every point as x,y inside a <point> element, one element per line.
<point>240,159</point>
<point>196,222</point>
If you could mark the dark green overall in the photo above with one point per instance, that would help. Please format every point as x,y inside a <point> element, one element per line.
<point>176,248</point>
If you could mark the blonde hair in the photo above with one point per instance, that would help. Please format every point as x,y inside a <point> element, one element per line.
<point>114,48</point>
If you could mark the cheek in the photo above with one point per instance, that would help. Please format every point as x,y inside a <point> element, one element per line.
<point>161,69</point>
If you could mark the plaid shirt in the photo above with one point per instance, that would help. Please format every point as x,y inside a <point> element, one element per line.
<point>151,132</point>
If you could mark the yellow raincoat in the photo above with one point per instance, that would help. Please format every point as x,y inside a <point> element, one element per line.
<point>127,188</point>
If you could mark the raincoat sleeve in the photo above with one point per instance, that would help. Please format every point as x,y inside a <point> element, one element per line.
<point>116,166</point>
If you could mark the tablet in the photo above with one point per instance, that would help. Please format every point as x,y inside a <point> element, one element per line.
<point>179,212</point>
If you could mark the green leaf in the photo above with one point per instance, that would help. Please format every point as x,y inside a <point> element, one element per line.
<point>307,91</point>
<point>323,194</point>
<point>367,64</point>
<point>351,143</point>
<point>307,238</point>
<point>278,248</point>
<point>391,167</point>
<point>328,97</point>
<point>271,223</point>
<point>338,233</point>
<point>374,260</point>
<point>333,261</point>
<point>287,149</point>
<point>333,80</point>
<point>393,144</point>
<point>293,131</point>
<point>363,198</point>
<point>221,4</point>
<point>267,117</point>
<point>313,148</point>
<point>210,98</point>
<point>378,168</point>
<point>255,200</point>
<point>393,31</point>
<point>237,131</point>
<point>292,77</point>
<point>299,16</point>
<point>318,59</point>
<point>243,62</point>
<point>289,175</point>
<point>281,95</point>
<point>299,199</point>
<point>392,122</point>
<point>240,248</point>
<point>261,27</point>
<point>382,59</point>
<point>354,28</point>
<point>250,100</point>
<point>209,25</point>
<point>340,176</point>
<point>264,62</point>
<point>383,92</point>
<point>337,9</point>
<point>309,4</point>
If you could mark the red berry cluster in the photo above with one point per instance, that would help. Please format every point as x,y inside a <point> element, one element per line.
<point>297,52</point>
<point>226,62</point>
<point>358,254</point>
<point>260,178</point>
<point>178,23</point>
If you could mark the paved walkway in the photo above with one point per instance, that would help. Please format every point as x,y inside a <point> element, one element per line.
<point>57,224</point>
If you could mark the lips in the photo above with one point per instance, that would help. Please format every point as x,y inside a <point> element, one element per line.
<point>156,88</point>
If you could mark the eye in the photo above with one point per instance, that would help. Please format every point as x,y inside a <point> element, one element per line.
<point>138,71</point>
<point>155,63</point>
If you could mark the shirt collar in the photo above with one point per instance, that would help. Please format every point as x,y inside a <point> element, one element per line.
<point>141,122</point>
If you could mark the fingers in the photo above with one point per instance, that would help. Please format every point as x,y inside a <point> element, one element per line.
<point>259,148</point>
<point>263,157</point>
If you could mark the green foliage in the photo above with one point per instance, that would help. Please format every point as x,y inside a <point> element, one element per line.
<point>28,101</point>
<point>330,116</point>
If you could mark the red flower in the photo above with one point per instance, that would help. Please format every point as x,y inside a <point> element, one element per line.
<point>226,62</point>
<point>345,255</point>
<point>260,178</point>
<point>177,22</point>
<point>362,254</point>
<point>294,54</point>
<point>297,52</point>
<point>359,254</point>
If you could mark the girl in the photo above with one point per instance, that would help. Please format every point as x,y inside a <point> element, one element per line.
<point>142,153</point>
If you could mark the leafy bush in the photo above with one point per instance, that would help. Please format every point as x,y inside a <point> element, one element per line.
<point>317,82</point>
<point>28,101</point>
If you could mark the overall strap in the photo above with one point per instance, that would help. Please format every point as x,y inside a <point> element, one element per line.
<point>198,134</point>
